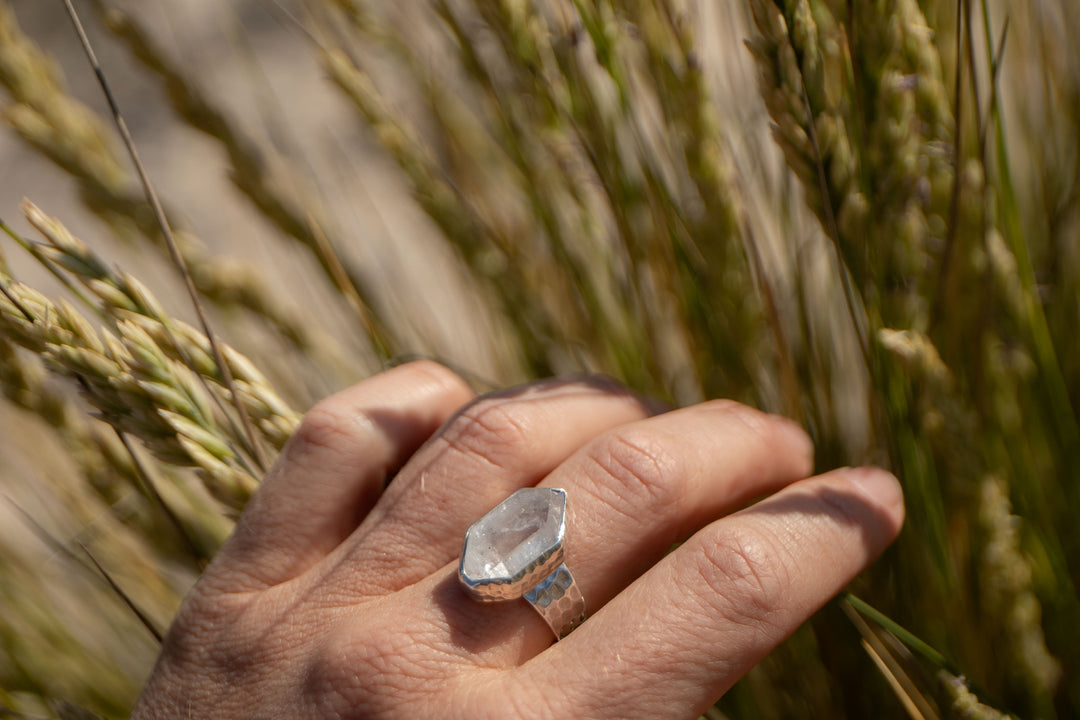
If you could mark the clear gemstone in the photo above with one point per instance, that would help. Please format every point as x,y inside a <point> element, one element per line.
<point>512,536</point>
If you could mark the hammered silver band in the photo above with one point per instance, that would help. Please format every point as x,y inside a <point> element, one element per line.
<point>559,601</point>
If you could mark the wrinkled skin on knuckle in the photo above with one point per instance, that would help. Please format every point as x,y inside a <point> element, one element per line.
<point>208,623</point>
<point>335,425</point>
<point>491,429</point>
<point>632,470</point>
<point>324,430</point>
<point>743,577</point>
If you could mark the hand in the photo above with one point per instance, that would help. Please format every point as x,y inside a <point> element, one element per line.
<point>337,598</point>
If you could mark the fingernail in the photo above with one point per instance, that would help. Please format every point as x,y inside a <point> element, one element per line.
<point>879,486</point>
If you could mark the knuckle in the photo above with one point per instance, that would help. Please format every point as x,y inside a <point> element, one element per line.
<point>644,471</point>
<point>323,429</point>
<point>209,612</point>
<point>494,429</point>
<point>744,576</point>
<point>212,632</point>
<point>336,425</point>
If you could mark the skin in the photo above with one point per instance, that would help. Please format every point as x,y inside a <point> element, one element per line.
<point>337,598</point>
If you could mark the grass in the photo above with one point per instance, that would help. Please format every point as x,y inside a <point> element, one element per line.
<point>878,238</point>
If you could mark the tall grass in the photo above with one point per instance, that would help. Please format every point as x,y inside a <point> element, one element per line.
<point>879,239</point>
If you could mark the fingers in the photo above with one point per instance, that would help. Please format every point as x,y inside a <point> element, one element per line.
<point>644,486</point>
<point>494,446</point>
<point>634,491</point>
<point>696,622</point>
<point>332,471</point>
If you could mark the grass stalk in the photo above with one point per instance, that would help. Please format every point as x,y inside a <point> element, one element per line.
<point>166,231</point>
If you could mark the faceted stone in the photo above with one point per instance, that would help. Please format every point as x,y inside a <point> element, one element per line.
<point>518,537</point>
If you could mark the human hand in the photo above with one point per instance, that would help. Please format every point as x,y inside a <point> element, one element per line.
<point>337,598</point>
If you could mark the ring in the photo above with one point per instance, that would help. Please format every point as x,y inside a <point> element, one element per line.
<point>516,550</point>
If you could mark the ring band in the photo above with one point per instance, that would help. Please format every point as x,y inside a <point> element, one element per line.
<point>558,600</point>
<point>517,550</point>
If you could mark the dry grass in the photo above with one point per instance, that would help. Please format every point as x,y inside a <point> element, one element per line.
<point>896,267</point>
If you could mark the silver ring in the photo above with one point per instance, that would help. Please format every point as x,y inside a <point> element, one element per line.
<point>516,550</point>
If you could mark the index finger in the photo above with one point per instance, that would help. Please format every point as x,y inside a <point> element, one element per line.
<point>332,471</point>
<point>702,617</point>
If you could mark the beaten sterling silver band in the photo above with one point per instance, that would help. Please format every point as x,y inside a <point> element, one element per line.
<point>517,550</point>
<point>558,600</point>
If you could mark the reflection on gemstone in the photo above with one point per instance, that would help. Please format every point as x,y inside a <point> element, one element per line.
<point>510,538</point>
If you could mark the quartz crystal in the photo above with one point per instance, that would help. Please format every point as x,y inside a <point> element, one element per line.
<point>518,537</point>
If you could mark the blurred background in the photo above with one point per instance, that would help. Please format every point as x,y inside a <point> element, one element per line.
<point>863,216</point>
